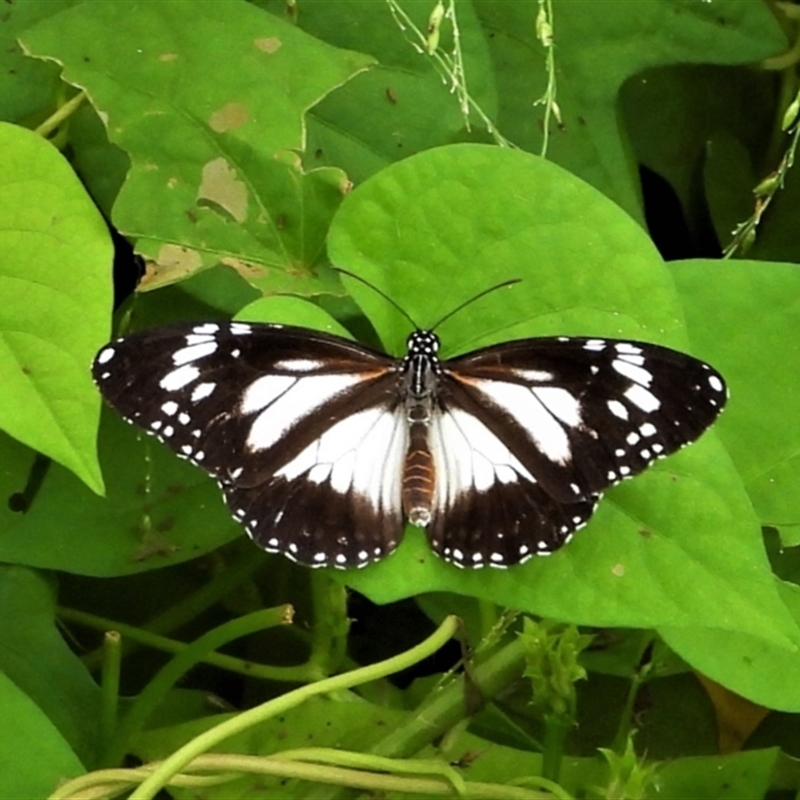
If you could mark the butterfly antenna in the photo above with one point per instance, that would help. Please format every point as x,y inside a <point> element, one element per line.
<point>447,316</point>
<point>471,300</point>
<point>378,291</point>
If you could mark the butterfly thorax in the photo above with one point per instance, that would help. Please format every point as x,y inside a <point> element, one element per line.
<point>421,365</point>
<point>419,369</point>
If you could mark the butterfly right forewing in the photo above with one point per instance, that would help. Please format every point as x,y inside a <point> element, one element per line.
<point>583,414</point>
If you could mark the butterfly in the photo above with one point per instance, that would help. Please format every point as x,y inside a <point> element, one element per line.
<point>323,447</point>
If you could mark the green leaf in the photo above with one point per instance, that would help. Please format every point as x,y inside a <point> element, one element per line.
<point>676,545</point>
<point>27,87</point>
<point>208,101</point>
<point>36,658</point>
<point>157,510</point>
<point>34,757</point>
<point>743,663</point>
<point>748,774</point>
<point>744,317</point>
<point>598,56</point>
<point>56,291</point>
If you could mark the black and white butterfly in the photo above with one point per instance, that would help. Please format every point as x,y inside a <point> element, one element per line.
<point>323,447</point>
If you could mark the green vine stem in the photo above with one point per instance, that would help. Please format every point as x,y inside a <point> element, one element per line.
<point>227,579</point>
<point>302,673</point>
<point>178,760</point>
<point>394,781</point>
<point>744,234</point>
<point>61,114</point>
<point>155,691</point>
<point>109,684</point>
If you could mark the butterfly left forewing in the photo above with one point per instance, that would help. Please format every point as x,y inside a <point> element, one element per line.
<point>284,418</point>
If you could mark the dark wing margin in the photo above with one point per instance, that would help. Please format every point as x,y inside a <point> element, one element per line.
<point>251,404</point>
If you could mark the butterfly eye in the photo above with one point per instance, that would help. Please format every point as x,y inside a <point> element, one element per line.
<point>323,447</point>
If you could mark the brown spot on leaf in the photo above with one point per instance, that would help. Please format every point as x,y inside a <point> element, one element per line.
<point>166,524</point>
<point>247,269</point>
<point>221,189</point>
<point>268,44</point>
<point>171,263</point>
<point>230,116</point>
<point>154,545</point>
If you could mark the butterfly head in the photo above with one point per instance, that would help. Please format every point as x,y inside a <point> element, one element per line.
<point>423,343</point>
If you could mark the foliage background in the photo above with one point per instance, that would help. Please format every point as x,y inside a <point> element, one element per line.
<point>242,148</point>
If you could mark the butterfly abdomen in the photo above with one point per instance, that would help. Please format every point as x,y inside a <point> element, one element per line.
<point>419,476</point>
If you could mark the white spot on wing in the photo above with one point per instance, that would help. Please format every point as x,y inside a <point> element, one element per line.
<point>299,365</point>
<point>642,398</point>
<point>468,457</point>
<point>541,424</point>
<point>194,338</point>
<point>108,353</point>
<point>363,453</point>
<point>637,374</point>
<point>202,390</point>
<point>560,403</point>
<point>596,345</point>
<point>534,375</point>
<point>617,409</point>
<point>192,353</point>
<point>263,391</point>
<point>715,383</point>
<point>169,408</point>
<point>178,378</point>
<point>284,407</point>
<point>206,328</point>
<point>627,348</point>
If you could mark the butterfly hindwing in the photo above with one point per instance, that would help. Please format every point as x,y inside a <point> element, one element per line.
<point>337,502</point>
<point>295,426</point>
<point>488,508</point>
